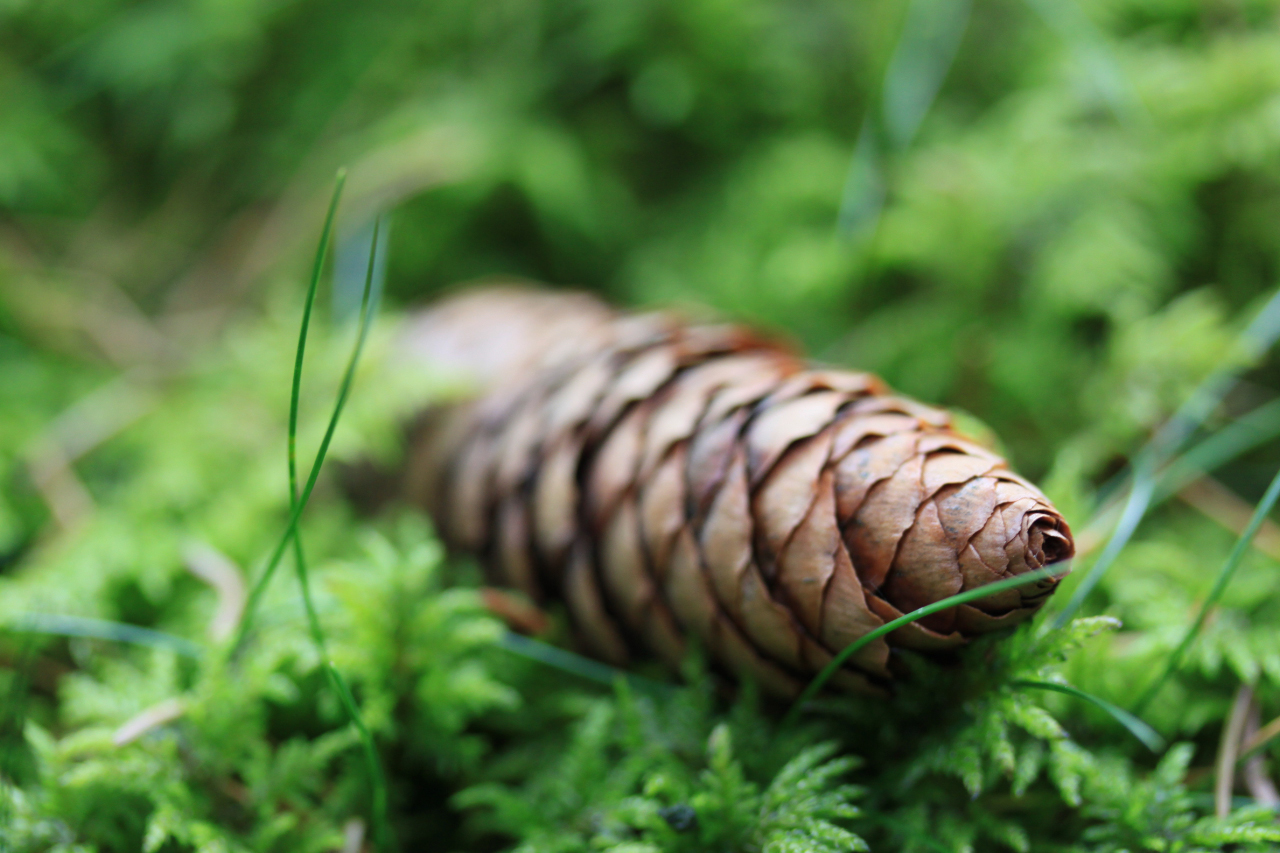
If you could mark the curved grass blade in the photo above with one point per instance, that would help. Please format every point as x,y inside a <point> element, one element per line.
<point>317,267</point>
<point>1143,732</point>
<point>930,40</point>
<point>1237,438</point>
<point>1232,441</point>
<point>1255,340</point>
<point>102,629</point>
<point>298,502</point>
<point>277,554</point>
<point>567,661</point>
<point>862,642</point>
<point>1135,507</point>
<point>920,63</point>
<point>336,681</point>
<point>1225,573</point>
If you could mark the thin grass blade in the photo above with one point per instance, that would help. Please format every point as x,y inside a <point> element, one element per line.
<point>336,681</point>
<point>291,535</point>
<point>102,629</point>
<point>1150,738</point>
<point>273,562</point>
<point>567,661</point>
<point>1237,438</point>
<point>317,267</point>
<point>921,60</point>
<point>1251,344</point>
<point>862,642</point>
<point>1260,513</point>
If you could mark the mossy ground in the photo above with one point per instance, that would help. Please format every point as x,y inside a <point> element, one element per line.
<point>1066,247</point>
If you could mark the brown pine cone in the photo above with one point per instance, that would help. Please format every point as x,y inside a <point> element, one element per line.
<point>668,480</point>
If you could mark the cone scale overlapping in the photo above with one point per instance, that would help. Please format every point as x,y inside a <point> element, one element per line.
<point>667,480</point>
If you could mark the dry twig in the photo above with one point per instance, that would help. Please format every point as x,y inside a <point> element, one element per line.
<point>1229,750</point>
<point>1224,506</point>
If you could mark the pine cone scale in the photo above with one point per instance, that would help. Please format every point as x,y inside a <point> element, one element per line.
<point>788,496</point>
<point>663,509</point>
<point>807,561</point>
<point>777,429</point>
<point>583,595</point>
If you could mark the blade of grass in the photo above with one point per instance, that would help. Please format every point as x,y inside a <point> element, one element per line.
<point>1135,507</point>
<point>1232,441</point>
<point>930,40</point>
<point>298,503</point>
<point>277,554</point>
<point>317,267</point>
<point>102,629</point>
<point>1225,573</point>
<point>921,60</point>
<point>1255,340</point>
<point>862,642</point>
<point>567,661</point>
<point>1143,732</point>
<point>336,681</point>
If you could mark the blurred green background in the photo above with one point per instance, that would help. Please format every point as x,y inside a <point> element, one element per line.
<point>1060,241</point>
<point>1054,215</point>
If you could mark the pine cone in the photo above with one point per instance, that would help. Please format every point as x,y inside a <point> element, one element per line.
<point>668,480</point>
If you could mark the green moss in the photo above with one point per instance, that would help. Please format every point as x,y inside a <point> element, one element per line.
<point>1066,248</point>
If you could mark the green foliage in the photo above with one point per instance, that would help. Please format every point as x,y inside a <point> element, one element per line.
<point>1157,813</point>
<point>259,756</point>
<point>1065,247</point>
<point>637,777</point>
<point>1091,262</point>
